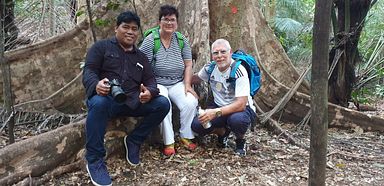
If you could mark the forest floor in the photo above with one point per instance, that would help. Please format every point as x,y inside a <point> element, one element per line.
<point>354,157</point>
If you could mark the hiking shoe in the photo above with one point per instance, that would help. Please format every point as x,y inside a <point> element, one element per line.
<point>169,150</point>
<point>98,173</point>
<point>132,152</point>
<point>187,143</point>
<point>241,147</point>
<point>222,141</point>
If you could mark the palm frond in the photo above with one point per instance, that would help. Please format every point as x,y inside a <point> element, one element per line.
<point>288,26</point>
<point>370,71</point>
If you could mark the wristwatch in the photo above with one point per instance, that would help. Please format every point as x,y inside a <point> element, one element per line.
<point>218,112</point>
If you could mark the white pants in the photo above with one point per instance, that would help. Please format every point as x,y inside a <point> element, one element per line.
<point>187,105</point>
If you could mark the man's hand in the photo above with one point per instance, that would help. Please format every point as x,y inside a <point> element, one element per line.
<point>145,95</point>
<point>102,87</point>
<point>208,115</point>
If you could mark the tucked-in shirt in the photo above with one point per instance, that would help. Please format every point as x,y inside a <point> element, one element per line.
<point>107,59</point>
<point>167,63</point>
<point>224,92</point>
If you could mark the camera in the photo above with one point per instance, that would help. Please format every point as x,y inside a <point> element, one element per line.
<point>116,91</point>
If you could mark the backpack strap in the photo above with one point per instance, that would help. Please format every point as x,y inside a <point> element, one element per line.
<point>234,66</point>
<point>180,40</point>
<point>157,42</point>
<point>210,69</point>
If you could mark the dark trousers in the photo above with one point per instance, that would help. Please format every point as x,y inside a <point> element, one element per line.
<point>101,109</point>
<point>237,122</point>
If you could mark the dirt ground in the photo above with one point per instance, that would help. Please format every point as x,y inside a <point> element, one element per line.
<point>354,157</point>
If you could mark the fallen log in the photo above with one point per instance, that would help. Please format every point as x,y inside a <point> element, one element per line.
<point>299,105</point>
<point>53,174</point>
<point>39,154</point>
<point>26,161</point>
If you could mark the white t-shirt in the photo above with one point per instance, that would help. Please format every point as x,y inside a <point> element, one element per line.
<point>224,93</point>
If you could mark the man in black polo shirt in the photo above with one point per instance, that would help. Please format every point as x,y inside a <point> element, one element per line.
<point>118,59</point>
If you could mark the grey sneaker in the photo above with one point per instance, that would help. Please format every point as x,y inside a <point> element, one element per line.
<point>241,147</point>
<point>222,141</point>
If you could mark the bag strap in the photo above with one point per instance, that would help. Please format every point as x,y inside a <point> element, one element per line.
<point>180,40</point>
<point>157,42</point>
<point>210,70</point>
<point>234,66</point>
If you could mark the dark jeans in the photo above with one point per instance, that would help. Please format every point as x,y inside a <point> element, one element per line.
<point>101,109</point>
<point>237,122</point>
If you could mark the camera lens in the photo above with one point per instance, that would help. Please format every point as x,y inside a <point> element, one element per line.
<point>117,92</point>
<point>119,97</point>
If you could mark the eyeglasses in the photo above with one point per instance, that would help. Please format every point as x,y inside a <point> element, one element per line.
<point>168,21</point>
<point>216,53</point>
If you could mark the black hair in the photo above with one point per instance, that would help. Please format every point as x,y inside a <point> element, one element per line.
<point>128,17</point>
<point>167,10</point>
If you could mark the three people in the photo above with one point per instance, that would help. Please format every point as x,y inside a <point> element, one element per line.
<point>149,88</point>
<point>172,67</point>
<point>117,61</point>
<point>233,108</point>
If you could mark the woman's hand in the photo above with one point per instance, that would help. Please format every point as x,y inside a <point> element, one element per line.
<point>190,90</point>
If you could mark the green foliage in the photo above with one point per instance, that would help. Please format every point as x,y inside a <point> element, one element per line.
<point>379,91</point>
<point>362,96</point>
<point>367,95</point>
<point>113,5</point>
<point>80,12</point>
<point>102,22</point>
<point>292,24</point>
<point>370,73</point>
<point>193,162</point>
<point>374,25</point>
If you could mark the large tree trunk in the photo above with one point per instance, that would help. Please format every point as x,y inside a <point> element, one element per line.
<point>36,75</point>
<point>350,23</point>
<point>10,29</point>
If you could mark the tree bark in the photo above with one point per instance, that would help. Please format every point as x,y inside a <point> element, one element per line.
<point>350,21</point>
<point>38,154</point>
<point>319,95</point>
<point>45,67</point>
<point>243,25</point>
<point>6,76</point>
<point>10,29</point>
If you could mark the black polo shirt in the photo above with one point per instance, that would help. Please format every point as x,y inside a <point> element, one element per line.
<point>106,59</point>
